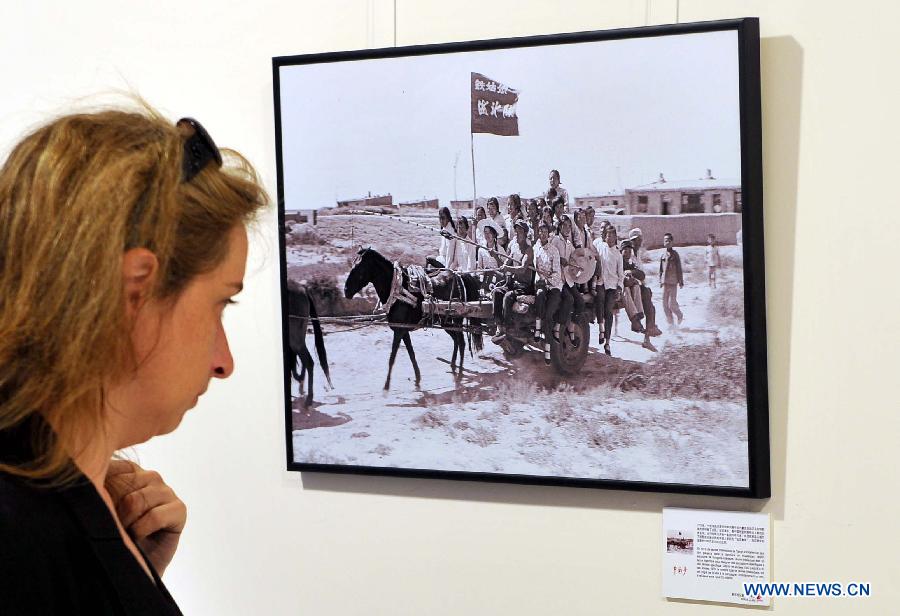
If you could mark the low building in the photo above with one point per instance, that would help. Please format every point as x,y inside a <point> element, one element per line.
<point>465,205</point>
<point>707,195</point>
<point>612,202</point>
<point>301,216</point>
<point>368,201</point>
<point>424,204</point>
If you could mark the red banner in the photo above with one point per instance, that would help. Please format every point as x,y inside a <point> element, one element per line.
<point>494,107</point>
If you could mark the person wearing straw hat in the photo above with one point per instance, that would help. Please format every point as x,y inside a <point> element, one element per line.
<point>636,237</point>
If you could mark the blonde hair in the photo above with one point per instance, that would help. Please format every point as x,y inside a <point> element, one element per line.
<point>74,196</point>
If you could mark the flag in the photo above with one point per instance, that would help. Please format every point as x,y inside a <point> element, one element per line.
<point>494,107</point>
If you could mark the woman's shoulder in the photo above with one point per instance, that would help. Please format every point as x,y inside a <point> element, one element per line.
<point>36,531</point>
<point>29,511</point>
<point>47,566</point>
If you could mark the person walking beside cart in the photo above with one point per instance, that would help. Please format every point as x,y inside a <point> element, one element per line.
<point>671,278</point>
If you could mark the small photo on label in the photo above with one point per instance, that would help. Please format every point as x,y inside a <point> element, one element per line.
<point>680,541</point>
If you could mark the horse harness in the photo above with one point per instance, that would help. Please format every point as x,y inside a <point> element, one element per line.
<point>419,285</point>
<point>399,293</point>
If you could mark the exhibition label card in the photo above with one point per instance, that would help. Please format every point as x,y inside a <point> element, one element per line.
<point>710,555</point>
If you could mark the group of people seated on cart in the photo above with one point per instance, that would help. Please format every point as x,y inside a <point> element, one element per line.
<point>539,260</point>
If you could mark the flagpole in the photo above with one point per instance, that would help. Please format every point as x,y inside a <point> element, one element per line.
<point>474,190</point>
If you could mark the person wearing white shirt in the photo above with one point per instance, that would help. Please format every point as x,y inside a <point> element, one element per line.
<point>550,284</point>
<point>447,250</point>
<point>609,280</point>
<point>571,302</point>
<point>590,236</point>
<point>464,254</point>
<point>636,237</point>
<point>493,213</point>
<point>519,279</point>
<point>476,229</point>
<point>513,213</point>
<point>556,190</point>
<point>489,255</point>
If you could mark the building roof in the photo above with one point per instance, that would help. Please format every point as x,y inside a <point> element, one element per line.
<point>699,184</point>
<point>610,193</point>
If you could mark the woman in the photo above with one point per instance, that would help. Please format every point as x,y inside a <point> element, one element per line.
<point>479,216</point>
<point>464,252</point>
<point>533,218</point>
<point>447,249</point>
<point>123,240</point>
<point>513,213</point>
<point>493,213</point>
<point>547,217</point>
<point>579,233</point>
<point>571,302</point>
<point>491,255</point>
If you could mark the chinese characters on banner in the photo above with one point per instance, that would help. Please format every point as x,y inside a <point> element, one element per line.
<point>493,107</point>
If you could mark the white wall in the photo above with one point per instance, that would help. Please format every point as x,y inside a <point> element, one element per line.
<point>263,541</point>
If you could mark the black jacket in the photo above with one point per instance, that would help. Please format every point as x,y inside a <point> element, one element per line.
<point>61,552</point>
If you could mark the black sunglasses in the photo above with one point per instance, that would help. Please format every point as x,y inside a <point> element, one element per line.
<point>199,149</point>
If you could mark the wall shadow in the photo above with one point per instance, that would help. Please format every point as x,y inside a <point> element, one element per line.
<point>781,70</point>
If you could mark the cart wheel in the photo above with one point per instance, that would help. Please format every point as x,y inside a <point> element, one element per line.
<point>512,348</point>
<point>566,358</point>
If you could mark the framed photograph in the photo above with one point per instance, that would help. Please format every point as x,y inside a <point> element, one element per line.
<point>532,260</point>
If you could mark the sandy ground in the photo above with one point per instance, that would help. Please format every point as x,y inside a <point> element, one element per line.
<point>514,417</point>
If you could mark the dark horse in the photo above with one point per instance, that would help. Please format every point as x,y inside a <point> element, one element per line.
<point>370,266</point>
<point>302,310</point>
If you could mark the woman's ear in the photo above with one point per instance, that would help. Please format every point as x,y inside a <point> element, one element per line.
<point>140,268</point>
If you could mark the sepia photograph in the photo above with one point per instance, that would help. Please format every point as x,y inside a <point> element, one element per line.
<point>680,542</point>
<point>523,261</point>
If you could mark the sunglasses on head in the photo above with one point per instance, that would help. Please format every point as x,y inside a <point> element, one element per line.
<point>199,149</point>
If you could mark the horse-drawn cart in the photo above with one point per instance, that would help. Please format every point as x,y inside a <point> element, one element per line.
<point>414,297</point>
<point>567,358</point>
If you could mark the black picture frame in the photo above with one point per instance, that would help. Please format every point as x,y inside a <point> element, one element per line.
<point>747,29</point>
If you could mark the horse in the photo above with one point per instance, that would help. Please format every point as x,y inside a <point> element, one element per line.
<point>302,310</point>
<point>372,267</point>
